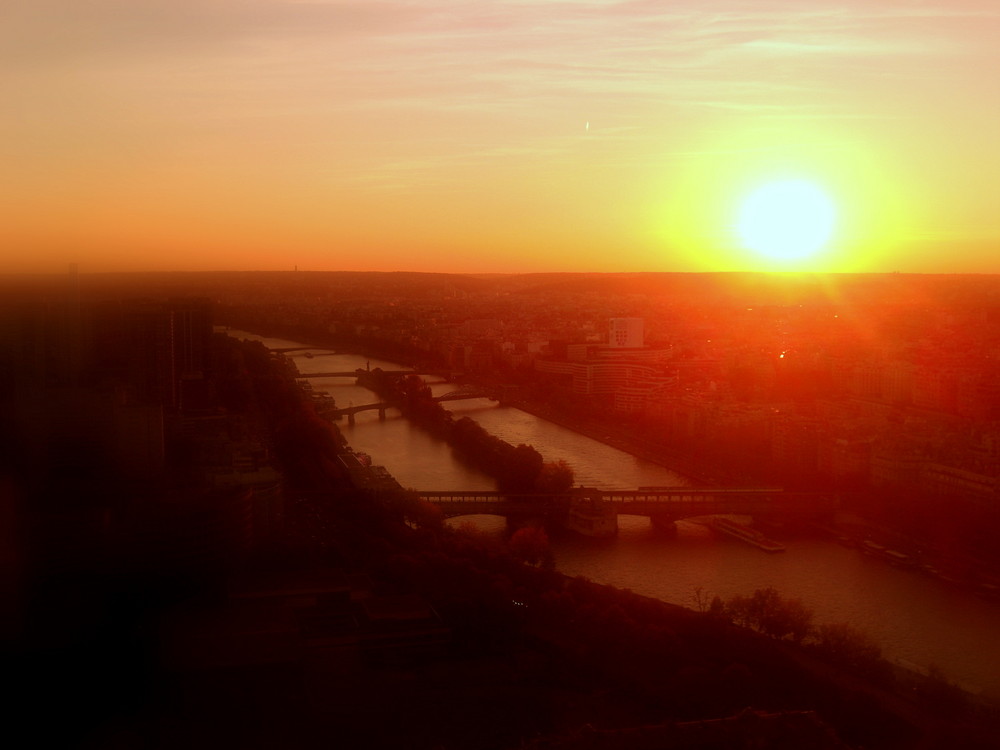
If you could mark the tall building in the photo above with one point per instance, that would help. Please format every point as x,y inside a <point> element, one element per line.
<point>163,348</point>
<point>625,333</point>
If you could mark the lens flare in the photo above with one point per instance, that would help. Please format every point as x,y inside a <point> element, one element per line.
<point>786,220</point>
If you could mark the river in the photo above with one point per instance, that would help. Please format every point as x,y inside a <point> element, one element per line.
<point>917,620</point>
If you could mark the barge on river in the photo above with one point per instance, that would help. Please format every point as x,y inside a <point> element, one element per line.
<point>745,533</point>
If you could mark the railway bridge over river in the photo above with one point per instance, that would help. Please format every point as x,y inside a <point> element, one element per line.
<point>596,511</point>
<point>463,392</point>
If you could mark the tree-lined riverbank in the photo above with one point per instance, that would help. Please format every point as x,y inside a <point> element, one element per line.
<point>517,469</point>
<point>903,611</point>
<point>677,663</point>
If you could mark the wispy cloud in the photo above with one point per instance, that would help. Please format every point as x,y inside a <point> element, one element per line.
<point>447,49</point>
<point>427,84</point>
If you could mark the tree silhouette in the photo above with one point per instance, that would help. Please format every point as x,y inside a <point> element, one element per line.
<point>521,467</point>
<point>531,545</point>
<point>554,478</point>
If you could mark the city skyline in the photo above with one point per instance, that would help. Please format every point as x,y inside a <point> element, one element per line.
<point>508,137</point>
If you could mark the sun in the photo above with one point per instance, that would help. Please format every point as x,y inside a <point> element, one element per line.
<point>786,220</point>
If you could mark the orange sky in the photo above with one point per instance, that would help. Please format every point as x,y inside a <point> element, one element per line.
<point>502,136</point>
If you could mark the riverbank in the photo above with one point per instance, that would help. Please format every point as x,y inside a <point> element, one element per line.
<point>532,609</point>
<point>596,429</point>
<point>615,437</point>
<point>950,565</point>
<point>686,563</point>
<point>953,567</point>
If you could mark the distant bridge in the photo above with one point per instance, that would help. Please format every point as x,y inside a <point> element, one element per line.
<point>458,394</point>
<point>670,504</point>
<point>359,371</point>
<point>467,391</point>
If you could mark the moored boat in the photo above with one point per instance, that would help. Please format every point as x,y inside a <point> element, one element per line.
<point>592,519</point>
<point>899,558</point>
<point>746,534</point>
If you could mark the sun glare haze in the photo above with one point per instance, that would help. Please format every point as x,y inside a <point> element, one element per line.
<point>501,137</point>
<point>786,221</point>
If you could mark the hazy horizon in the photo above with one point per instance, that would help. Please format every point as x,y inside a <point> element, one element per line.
<point>510,137</point>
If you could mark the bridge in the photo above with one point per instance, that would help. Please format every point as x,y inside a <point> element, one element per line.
<point>458,394</point>
<point>663,506</point>
<point>357,372</point>
<point>467,391</point>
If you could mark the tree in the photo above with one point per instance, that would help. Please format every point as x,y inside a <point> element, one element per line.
<point>793,620</point>
<point>767,612</point>
<point>716,608</point>
<point>700,598</point>
<point>423,514</point>
<point>555,478</point>
<point>530,545</point>
<point>739,612</point>
<point>521,467</point>
<point>414,388</point>
<point>848,645</point>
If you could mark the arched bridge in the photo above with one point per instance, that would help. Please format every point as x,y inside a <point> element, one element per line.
<point>667,503</point>
<point>464,392</point>
<point>467,391</point>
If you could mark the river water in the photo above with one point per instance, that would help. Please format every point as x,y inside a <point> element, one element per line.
<point>918,621</point>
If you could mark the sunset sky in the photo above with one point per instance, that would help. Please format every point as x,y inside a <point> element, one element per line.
<point>501,136</point>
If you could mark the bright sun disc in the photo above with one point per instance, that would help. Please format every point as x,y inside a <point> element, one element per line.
<point>786,220</point>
